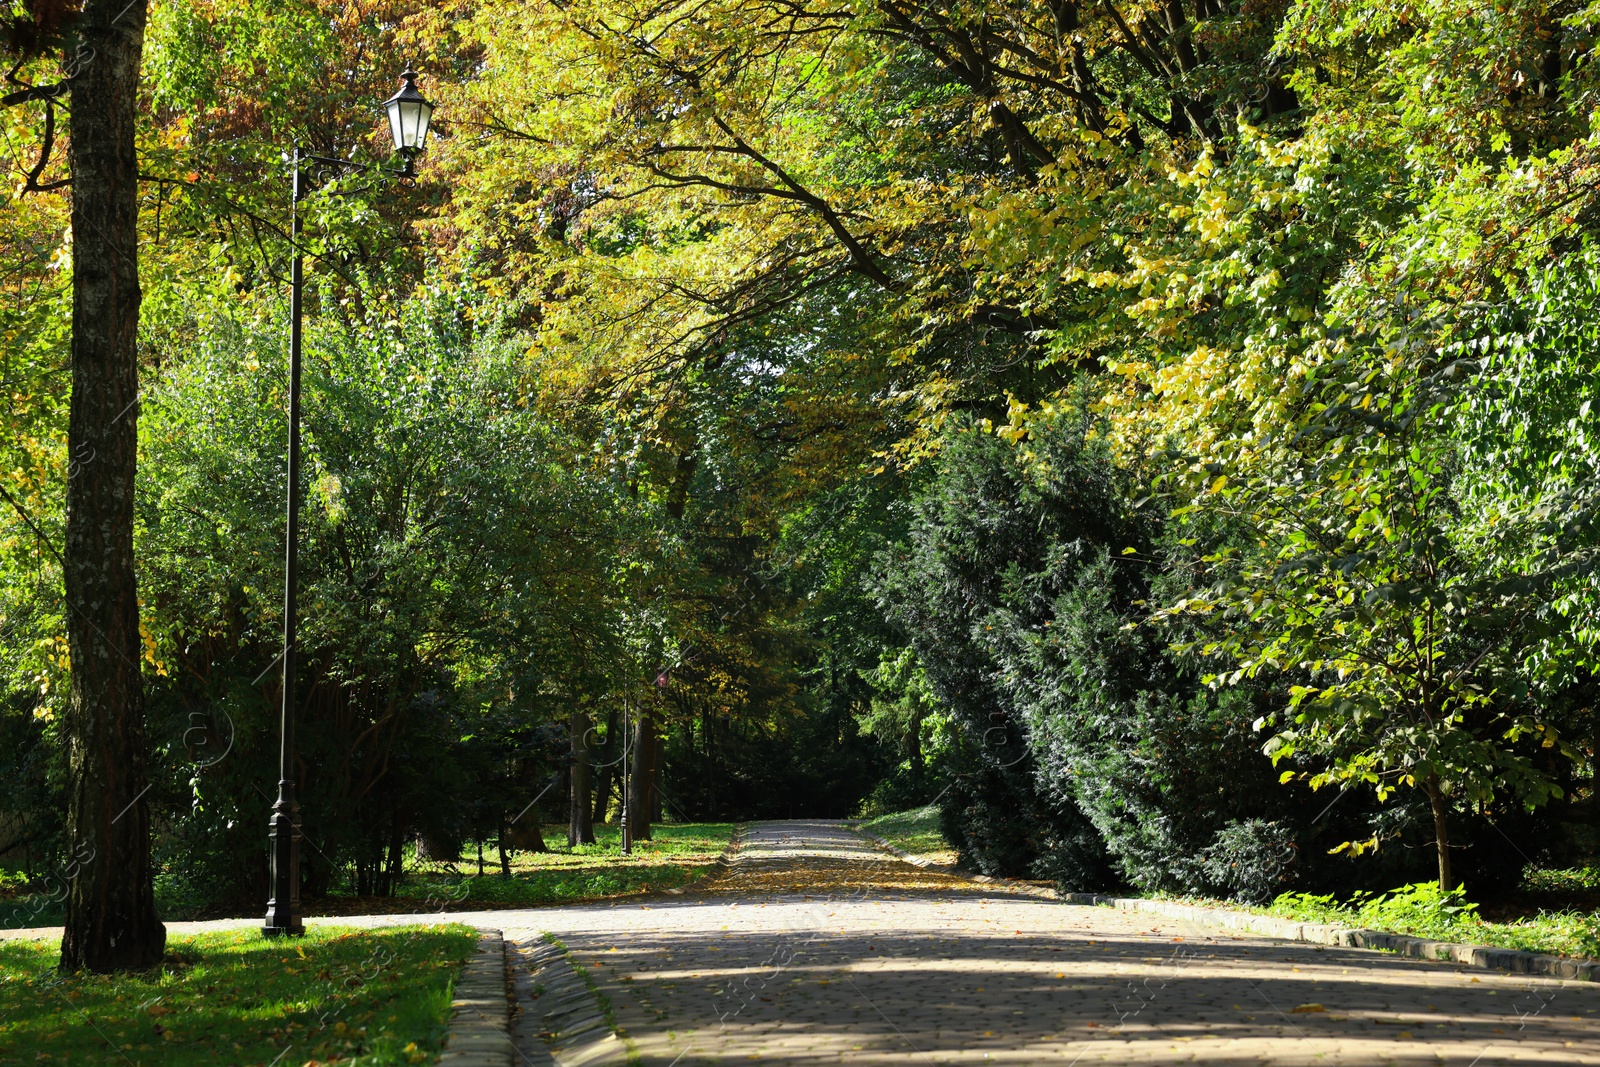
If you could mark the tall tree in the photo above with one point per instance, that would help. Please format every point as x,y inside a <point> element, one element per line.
<point>111,919</point>
<point>580,826</point>
<point>641,776</point>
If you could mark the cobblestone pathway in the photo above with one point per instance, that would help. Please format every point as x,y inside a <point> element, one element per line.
<point>818,949</point>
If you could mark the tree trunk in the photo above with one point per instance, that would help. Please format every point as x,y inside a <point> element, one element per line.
<point>500,844</point>
<point>608,768</point>
<point>914,745</point>
<point>640,777</point>
<point>111,919</point>
<point>438,848</point>
<point>580,829</point>
<point>658,759</point>
<point>1594,773</point>
<point>396,859</point>
<point>1441,829</point>
<point>526,833</point>
<point>711,768</point>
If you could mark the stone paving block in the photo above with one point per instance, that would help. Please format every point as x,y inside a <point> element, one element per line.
<point>815,949</point>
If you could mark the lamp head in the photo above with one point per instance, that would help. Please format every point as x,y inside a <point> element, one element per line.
<point>409,114</point>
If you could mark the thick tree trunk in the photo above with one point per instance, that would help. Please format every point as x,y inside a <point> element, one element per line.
<point>580,830</point>
<point>641,778</point>
<point>111,915</point>
<point>658,759</point>
<point>608,768</point>
<point>1441,829</point>
<point>536,842</point>
<point>526,834</point>
<point>438,848</point>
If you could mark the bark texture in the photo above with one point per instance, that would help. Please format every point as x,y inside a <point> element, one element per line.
<point>580,828</point>
<point>110,908</point>
<point>641,778</point>
<point>658,794</point>
<point>608,768</point>
<point>1441,829</point>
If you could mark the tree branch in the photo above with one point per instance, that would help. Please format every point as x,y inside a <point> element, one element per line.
<point>48,143</point>
<point>23,515</point>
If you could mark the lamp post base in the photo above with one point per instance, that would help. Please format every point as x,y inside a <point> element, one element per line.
<point>283,835</point>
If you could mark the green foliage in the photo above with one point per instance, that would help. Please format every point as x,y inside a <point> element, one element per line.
<point>977,531</point>
<point>1577,878</point>
<point>1118,722</point>
<point>1421,910</point>
<point>454,591</point>
<point>1384,595</point>
<point>1415,906</point>
<point>1530,451</point>
<point>903,714</point>
<point>804,376</point>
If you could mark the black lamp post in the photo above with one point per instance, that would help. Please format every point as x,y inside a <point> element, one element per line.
<point>409,115</point>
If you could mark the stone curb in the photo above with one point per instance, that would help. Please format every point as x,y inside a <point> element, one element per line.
<point>1512,960</point>
<point>1515,961</point>
<point>724,862</point>
<point>562,1009</point>
<point>480,1011</point>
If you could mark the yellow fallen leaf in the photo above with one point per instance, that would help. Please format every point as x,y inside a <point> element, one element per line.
<point>1306,1008</point>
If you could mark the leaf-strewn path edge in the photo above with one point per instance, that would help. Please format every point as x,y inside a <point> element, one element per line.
<point>1515,961</point>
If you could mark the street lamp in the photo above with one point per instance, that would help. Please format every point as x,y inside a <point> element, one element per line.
<point>409,116</point>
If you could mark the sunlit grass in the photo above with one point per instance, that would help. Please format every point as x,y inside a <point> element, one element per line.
<point>1557,932</point>
<point>334,995</point>
<point>1570,880</point>
<point>1560,933</point>
<point>677,854</point>
<point>916,831</point>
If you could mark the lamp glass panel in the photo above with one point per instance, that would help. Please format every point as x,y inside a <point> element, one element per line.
<point>424,115</point>
<point>394,107</point>
<point>408,123</point>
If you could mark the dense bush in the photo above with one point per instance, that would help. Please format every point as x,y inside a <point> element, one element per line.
<point>1089,749</point>
<point>977,531</point>
<point>449,582</point>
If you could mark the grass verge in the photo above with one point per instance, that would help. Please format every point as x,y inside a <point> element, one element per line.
<point>333,996</point>
<point>1422,911</point>
<point>677,854</point>
<point>916,831</point>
